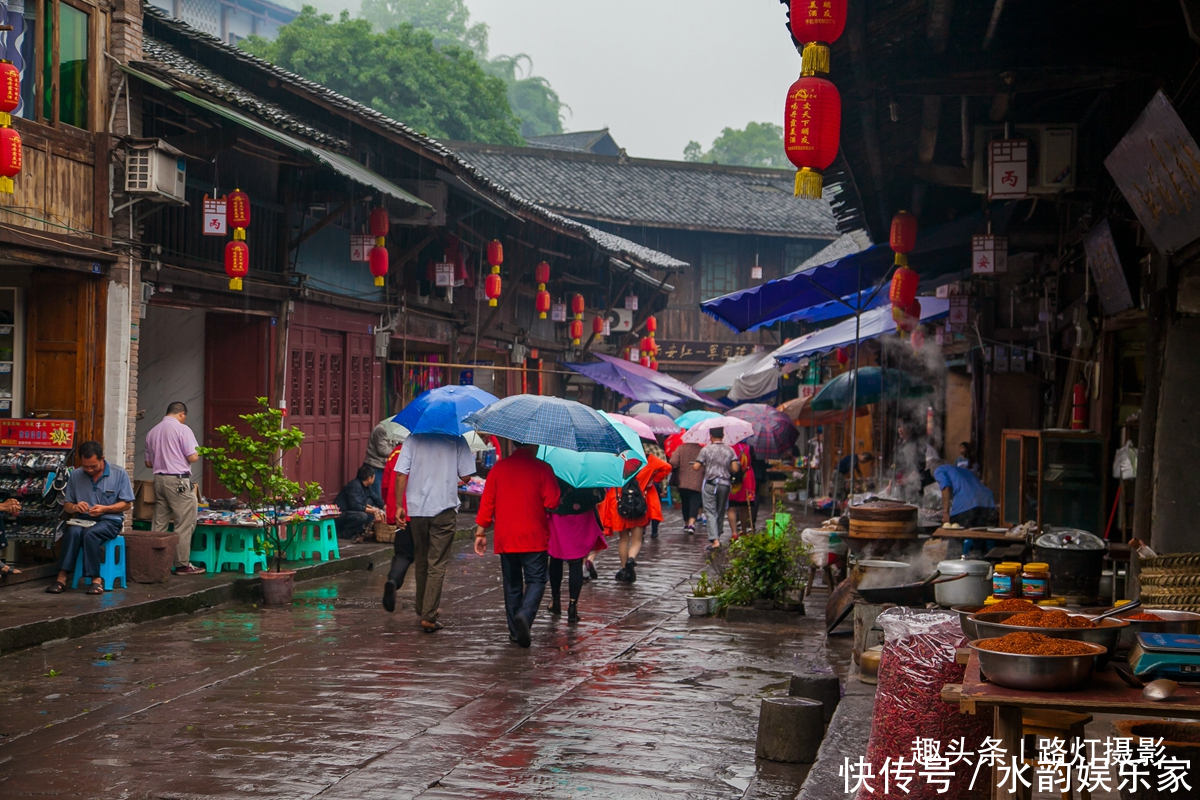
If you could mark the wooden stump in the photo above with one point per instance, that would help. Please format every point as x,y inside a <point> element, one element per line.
<point>790,729</point>
<point>823,688</point>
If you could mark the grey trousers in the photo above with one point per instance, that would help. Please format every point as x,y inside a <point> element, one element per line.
<point>433,538</point>
<point>716,503</point>
<point>174,497</point>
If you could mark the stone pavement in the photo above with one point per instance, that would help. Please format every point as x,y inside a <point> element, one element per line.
<point>335,698</point>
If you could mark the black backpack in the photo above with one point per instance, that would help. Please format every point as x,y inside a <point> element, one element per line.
<point>631,503</point>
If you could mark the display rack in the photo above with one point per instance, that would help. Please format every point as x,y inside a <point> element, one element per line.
<point>1055,477</point>
<point>35,462</point>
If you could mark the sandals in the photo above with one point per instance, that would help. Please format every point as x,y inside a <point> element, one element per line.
<point>6,570</point>
<point>95,588</point>
<point>431,627</point>
<point>58,587</point>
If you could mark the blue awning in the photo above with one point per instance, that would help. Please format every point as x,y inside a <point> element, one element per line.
<point>875,323</point>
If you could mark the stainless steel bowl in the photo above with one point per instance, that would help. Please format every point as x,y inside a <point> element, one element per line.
<point>1038,673</point>
<point>1173,622</point>
<point>964,619</point>
<point>990,624</point>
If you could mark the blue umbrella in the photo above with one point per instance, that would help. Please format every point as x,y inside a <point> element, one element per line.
<point>597,470</point>
<point>689,419</point>
<point>441,410</point>
<point>552,421</point>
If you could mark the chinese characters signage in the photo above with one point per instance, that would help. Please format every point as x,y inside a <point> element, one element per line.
<point>443,274</point>
<point>360,246</point>
<point>1105,265</point>
<point>1157,168</point>
<point>214,216</point>
<point>702,351</point>
<point>989,255</point>
<point>56,434</point>
<point>1008,168</point>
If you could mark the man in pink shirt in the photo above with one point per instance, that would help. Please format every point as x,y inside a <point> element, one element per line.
<point>170,452</point>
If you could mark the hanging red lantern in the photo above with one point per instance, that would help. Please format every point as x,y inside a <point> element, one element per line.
<point>379,222</point>
<point>576,331</point>
<point>598,326</point>
<point>644,360</point>
<point>543,303</point>
<point>654,364</point>
<point>379,263</point>
<point>492,289</point>
<point>495,255</point>
<point>914,310</point>
<point>904,287</point>
<point>237,263</point>
<point>542,274</point>
<point>843,357</point>
<point>813,123</point>
<point>903,236</point>
<point>647,344</point>
<point>10,89</point>
<point>651,325</point>
<point>10,158</point>
<point>816,29</point>
<point>237,213</point>
<point>577,306</point>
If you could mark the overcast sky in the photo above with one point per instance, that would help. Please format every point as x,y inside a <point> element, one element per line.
<point>656,72</point>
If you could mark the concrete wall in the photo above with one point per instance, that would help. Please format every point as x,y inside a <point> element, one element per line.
<point>1176,488</point>
<point>171,367</point>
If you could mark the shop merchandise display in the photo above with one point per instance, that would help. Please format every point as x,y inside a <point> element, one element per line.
<point>220,513</point>
<point>36,478</point>
<point>1048,619</point>
<point>1035,644</point>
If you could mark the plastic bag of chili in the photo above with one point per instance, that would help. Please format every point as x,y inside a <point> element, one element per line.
<point>918,660</point>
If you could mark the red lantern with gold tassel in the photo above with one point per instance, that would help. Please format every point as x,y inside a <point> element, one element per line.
<point>647,344</point>
<point>903,236</point>
<point>543,303</point>
<point>10,141</point>
<point>914,311</point>
<point>237,213</point>
<point>492,288</point>
<point>577,306</point>
<point>576,331</point>
<point>812,129</point>
<point>652,325</point>
<point>379,222</point>
<point>904,287</point>
<point>542,275</point>
<point>379,262</point>
<point>237,263</point>
<point>10,90</point>
<point>598,325</point>
<point>816,25</point>
<point>644,360</point>
<point>843,357</point>
<point>495,254</point>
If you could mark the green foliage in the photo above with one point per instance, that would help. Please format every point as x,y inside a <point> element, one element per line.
<point>440,91</point>
<point>763,566</point>
<point>759,145</point>
<point>705,587</point>
<point>251,467</point>
<point>532,98</point>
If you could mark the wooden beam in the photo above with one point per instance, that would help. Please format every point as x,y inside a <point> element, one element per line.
<point>321,223</point>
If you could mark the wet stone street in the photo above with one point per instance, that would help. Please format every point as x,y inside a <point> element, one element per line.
<point>335,698</point>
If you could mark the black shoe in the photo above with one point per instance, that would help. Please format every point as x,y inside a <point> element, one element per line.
<point>653,534</point>
<point>512,637</point>
<point>572,613</point>
<point>622,575</point>
<point>630,570</point>
<point>389,597</point>
<point>522,626</point>
<point>591,570</point>
<point>555,608</point>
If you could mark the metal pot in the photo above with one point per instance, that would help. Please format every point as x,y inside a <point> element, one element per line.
<point>971,590</point>
<point>990,624</point>
<point>1173,622</point>
<point>1037,673</point>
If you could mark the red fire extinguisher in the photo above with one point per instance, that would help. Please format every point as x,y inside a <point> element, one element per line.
<point>1079,409</point>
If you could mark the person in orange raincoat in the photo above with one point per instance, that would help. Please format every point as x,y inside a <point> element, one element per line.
<point>630,531</point>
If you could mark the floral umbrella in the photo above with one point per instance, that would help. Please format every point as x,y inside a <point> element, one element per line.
<point>774,433</point>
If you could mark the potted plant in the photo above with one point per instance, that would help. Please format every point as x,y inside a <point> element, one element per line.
<point>763,569</point>
<point>792,488</point>
<point>703,601</point>
<point>250,466</point>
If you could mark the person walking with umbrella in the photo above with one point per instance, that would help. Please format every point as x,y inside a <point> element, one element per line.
<point>575,533</point>
<point>718,462</point>
<point>628,510</point>
<point>519,492</point>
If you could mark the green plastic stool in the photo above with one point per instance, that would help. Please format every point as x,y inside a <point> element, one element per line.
<point>318,537</point>
<point>237,551</point>
<point>778,524</point>
<point>205,545</point>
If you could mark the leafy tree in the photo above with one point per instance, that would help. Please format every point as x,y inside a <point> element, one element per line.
<point>532,98</point>
<point>759,145</point>
<point>442,92</point>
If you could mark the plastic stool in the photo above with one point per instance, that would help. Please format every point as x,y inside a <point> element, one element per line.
<point>317,537</point>
<point>205,544</point>
<point>112,565</point>
<point>237,551</point>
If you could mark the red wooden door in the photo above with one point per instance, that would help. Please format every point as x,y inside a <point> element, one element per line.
<point>317,405</point>
<point>363,388</point>
<point>238,368</point>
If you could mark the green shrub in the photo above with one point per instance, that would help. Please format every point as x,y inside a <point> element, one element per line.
<point>763,566</point>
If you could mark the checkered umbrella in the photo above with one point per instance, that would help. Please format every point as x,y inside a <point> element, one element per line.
<point>552,421</point>
<point>774,432</point>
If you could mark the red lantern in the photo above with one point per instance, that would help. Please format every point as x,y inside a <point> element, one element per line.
<point>651,325</point>
<point>598,326</point>
<point>543,303</point>
<point>379,263</point>
<point>237,212</point>
<point>644,360</point>
<point>654,364</point>
<point>647,344</point>
<point>492,288</point>
<point>904,287</point>
<point>10,88</point>
<point>816,28</point>
<point>843,357</point>
<point>542,274</point>
<point>577,306</point>
<point>379,222</point>
<point>904,233</point>
<point>576,331</point>
<point>237,263</point>
<point>10,158</point>
<point>914,310</point>
<point>495,254</point>
<point>812,123</point>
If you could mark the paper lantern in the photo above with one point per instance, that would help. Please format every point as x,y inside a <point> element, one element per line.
<point>577,306</point>
<point>495,255</point>
<point>492,288</point>
<point>903,236</point>
<point>843,357</point>
<point>812,128</point>
<point>237,263</point>
<point>379,222</point>
<point>654,364</point>
<point>542,274</point>
<point>576,331</point>
<point>644,360</point>
<point>10,90</point>
<point>598,326</point>
<point>10,158</point>
<point>543,303</point>
<point>379,263</point>
<point>914,310</point>
<point>237,212</point>
<point>904,287</point>
<point>816,24</point>
<point>651,325</point>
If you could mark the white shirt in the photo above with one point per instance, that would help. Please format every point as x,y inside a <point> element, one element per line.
<point>434,463</point>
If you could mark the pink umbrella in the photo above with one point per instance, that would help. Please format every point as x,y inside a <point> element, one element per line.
<point>639,427</point>
<point>659,423</point>
<point>736,430</point>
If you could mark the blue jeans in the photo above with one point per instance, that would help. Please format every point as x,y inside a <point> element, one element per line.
<point>90,542</point>
<point>524,584</point>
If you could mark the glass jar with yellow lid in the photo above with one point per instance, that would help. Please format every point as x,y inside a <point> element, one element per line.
<point>1006,581</point>
<point>1035,581</point>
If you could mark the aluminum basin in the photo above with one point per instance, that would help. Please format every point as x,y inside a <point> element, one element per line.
<point>990,624</point>
<point>1038,673</point>
<point>1173,622</point>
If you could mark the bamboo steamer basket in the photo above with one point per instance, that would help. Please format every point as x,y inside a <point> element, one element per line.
<point>878,520</point>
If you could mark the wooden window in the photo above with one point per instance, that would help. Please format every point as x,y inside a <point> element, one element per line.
<point>310,367</point>
<point>718,268</point>
<point>354,384</point>
<point>368,369</point>
<point>296,368</point>
<point>335,384</point>
<point>322,384</point>
<point>69,73</point>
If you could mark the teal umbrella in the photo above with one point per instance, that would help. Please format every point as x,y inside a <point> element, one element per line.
<point>590,470</point>
<point>874,384</point>
<point>689,419</point>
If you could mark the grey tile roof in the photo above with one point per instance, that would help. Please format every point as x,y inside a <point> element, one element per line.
<point>577,141</point>
<point>847,245</point>
<point>608,243</point>
<point>671,194</point>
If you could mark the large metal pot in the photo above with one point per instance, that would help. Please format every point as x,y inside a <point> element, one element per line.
<point>990,624</point>
<point>971,590</point>
<point>1037,673</point>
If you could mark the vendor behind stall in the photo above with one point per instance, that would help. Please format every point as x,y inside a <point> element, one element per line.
<point>965,501</point>
<point>360,504</point>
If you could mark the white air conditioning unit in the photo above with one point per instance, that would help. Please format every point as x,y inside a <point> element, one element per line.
<point>1052,164</point>
<point>436,193</point>
<point>155,170</point>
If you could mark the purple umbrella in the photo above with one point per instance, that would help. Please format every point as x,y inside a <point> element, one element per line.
<point>661,424</point>
<point>632,386</point>
<point>774,431</point>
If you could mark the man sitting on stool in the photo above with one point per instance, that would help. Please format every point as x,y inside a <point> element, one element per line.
<point>360,504</point>
<point>98,493</point>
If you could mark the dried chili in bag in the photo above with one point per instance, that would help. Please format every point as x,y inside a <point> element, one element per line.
<point>922,743</point>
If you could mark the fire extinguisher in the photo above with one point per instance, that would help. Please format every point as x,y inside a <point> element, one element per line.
<point>1079,410</point>
<point>929,421</point>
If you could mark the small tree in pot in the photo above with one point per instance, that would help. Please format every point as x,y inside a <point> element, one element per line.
<point>251,467</point>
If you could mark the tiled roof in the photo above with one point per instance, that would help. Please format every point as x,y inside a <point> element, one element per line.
<point>608,243</point>
<point>576,141</point>
<point>669,194</point>
<point>847,245</point>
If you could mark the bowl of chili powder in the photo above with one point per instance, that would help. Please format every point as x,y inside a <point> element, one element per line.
<point>1055,624</point>
<point>1152,620</point>
<point>1036,662</point>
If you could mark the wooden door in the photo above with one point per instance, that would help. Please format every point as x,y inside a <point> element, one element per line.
<point>238,369</point>
<point>317,405</point>
<point>65,354</point>
<point>361,392</point>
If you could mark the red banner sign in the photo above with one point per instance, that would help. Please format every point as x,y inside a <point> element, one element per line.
<point>50,434</point>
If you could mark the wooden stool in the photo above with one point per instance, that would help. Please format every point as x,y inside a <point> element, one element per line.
<point>812,573</point>
<point>1063,725</point>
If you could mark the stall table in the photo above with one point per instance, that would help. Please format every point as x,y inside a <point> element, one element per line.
<point>1106,694</point>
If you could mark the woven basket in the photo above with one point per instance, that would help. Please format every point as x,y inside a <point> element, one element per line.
<point>385,532</point>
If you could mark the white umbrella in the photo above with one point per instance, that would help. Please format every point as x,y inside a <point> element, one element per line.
<point>736,430</point>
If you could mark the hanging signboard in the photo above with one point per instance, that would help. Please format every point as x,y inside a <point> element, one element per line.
<point>443,275</point>
<point>756,273</point>
<point>631,302</point>
<point>989,255</point>
<point>214,216</point>
<point>50,434</point>
<point>607,331</point>
<point>360,247</point>
<point>1105,266</point>
<point>558,312</point>
<point>1008,169</point>
<point>1157,167</point>
<point>715,352</point>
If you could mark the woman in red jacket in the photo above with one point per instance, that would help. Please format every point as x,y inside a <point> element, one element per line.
<point>630,531</point>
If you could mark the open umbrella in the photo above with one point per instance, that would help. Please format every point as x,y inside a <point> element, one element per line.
<point>686,421</point>
<point>640,428</point>
<point>442,410</point>
<point>874,384</point>
<point>474,440</point>
<point>800,409</point>
<point>660,424</point>
<point>774,433</point>
<point>672,442</point>
<point>653,408</point>
<point>736,430</point>
<point>597,470</point>
<point>552,421</point>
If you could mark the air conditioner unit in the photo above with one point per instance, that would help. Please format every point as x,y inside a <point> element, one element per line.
<point>436,193</point>
<point>155,169</point>
<point>1052,164</point>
